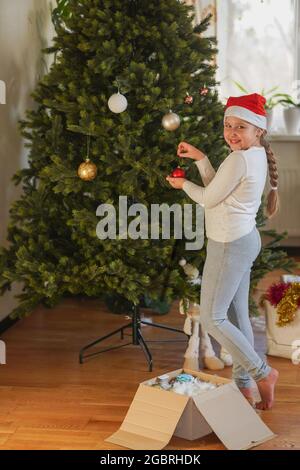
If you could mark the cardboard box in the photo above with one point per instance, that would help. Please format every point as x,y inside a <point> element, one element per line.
<point>156,415</point>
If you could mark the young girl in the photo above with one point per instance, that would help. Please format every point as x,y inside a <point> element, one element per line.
<point>231,199</point>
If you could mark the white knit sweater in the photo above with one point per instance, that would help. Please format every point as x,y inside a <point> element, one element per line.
<point>232,195</point>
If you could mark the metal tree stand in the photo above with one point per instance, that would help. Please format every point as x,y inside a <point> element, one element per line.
<point>137,337</point>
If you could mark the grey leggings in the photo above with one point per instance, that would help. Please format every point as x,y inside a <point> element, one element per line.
<point>224,303</point>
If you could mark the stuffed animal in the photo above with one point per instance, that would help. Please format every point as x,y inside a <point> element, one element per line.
<point>198,341</point>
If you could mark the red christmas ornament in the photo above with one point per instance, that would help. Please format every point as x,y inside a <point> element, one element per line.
<point>203,91</point>
<point>178,173</point>
<point>188,99</point>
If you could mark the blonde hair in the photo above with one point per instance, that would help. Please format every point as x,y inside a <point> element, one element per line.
<point>273,202</point>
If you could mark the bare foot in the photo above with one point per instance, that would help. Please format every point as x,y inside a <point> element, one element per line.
<point>266,388</point>
<point>248,394</point>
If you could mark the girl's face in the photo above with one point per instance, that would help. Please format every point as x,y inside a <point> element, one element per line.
<point>240,134</point>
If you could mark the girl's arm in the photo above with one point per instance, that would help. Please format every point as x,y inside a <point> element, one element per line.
<point>228,177</point>
<point>206,170</point>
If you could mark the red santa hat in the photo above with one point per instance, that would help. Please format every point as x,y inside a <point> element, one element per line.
<point>250,108</point>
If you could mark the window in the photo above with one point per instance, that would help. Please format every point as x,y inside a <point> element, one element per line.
<point>257,42</point>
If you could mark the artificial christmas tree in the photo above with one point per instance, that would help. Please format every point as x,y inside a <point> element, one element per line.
<point>150,53</point>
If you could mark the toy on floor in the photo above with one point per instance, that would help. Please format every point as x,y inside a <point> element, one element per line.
<point>198,341</point>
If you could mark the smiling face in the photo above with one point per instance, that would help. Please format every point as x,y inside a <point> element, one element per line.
<point>240,134</point>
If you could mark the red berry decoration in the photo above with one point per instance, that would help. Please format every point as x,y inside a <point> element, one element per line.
<point>203,91</point>
<point>188,99</point>
<point>178,173</point>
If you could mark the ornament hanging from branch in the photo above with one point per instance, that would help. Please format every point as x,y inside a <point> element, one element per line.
<point>203,91</point>
<point>87,170</point>
<point>171,121</point>
<point>117,103</point>
<point>188,99</point>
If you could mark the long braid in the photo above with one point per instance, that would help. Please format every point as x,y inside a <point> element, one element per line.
<point>273,197</point>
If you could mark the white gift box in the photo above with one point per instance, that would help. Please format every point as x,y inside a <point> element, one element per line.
<point>280,339</point>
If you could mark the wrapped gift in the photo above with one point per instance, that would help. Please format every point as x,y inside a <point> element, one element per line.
<point>280,339</point>
<point>282,309</point>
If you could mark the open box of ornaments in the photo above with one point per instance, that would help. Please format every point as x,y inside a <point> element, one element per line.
<point>183,384</point>
<point>190,405</point>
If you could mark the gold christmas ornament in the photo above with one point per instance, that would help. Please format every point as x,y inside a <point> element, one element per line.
<point>288,305</point>
<point>87,170</point>
<point>171,121</point>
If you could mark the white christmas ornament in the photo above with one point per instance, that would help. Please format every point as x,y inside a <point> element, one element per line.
<point>192,387</point>
<point>171,121</point>
<point>117,103</point>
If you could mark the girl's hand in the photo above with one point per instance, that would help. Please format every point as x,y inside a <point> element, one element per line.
<point>176,183</point>
<point>189,151</point>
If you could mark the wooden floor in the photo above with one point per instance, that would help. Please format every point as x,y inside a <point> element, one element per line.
<point>49,401</point>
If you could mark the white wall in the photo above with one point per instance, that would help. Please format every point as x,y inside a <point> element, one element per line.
<point>287,151</point>
<point>25,27</point>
